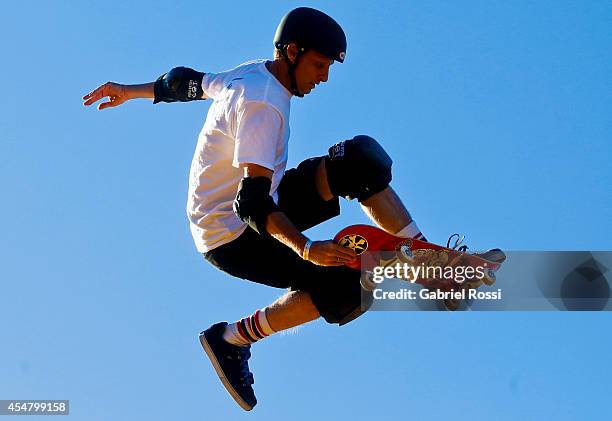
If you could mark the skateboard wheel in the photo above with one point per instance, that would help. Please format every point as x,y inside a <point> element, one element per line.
<point>406,253</point>
<point>367,281</point>
<point>489,278</point>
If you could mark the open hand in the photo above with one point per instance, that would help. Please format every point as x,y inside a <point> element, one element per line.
<point>117,94</point>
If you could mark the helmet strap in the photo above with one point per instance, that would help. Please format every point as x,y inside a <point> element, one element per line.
<point>292,67</point>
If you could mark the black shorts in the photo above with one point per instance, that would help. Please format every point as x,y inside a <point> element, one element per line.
<point>335,291</point>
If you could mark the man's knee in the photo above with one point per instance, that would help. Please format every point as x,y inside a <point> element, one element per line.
<point>339,296</point>
<point>358,168</point>
<point>349,312</point>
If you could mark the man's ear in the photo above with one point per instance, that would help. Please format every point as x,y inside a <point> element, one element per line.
<point>292,52</point>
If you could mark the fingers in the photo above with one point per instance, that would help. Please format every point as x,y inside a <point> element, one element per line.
<point>91,94</point>
<point>104,105</point>
<point>112,102</point>
<point>345,251</point>
<point>100,92</point>
<point>90,99</point>
<point>95,95</point>
<point>339,252</point>
<point>342,255</point>
<point>328,253</point>
<point>331,261</point>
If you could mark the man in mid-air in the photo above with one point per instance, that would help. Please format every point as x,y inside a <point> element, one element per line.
<point>247,212</point>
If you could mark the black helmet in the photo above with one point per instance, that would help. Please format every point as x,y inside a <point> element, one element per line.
<point>311,29</point>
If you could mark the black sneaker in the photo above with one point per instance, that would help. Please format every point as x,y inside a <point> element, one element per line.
<point>231,364</point>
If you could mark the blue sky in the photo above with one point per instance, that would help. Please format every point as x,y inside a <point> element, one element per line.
<point>497,115</point>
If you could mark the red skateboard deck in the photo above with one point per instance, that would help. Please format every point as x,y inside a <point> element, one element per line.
<point>379,248</point>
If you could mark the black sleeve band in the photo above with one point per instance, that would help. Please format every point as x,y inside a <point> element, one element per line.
<point>179,84</point>
<point>253,202</point>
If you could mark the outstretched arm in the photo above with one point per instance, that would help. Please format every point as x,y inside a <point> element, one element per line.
<point>117,94</point>
<point>179,84</point>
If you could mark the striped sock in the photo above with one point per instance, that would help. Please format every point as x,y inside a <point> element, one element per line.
<point>248,330</point>
<point>411,231</point>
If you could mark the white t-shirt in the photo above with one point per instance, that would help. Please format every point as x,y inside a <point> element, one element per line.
<point>248,122</point>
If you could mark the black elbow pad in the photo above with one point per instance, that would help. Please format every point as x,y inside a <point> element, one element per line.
<point>179,84</point>
<point>253,202</point>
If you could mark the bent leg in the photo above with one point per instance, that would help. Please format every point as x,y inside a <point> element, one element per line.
<point>360,168</point>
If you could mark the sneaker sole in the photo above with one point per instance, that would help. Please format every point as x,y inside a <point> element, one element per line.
<point>211,356</point>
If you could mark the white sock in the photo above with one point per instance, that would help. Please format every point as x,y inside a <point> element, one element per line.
<point>248,330</point>
<point>410,231</point>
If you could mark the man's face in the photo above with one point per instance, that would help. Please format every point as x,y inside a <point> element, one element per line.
<point>312,69</point>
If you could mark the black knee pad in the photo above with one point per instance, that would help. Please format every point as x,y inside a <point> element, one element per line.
<point>358,168</point>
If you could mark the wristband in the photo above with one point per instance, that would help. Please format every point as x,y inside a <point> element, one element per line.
<point>306,251</point>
